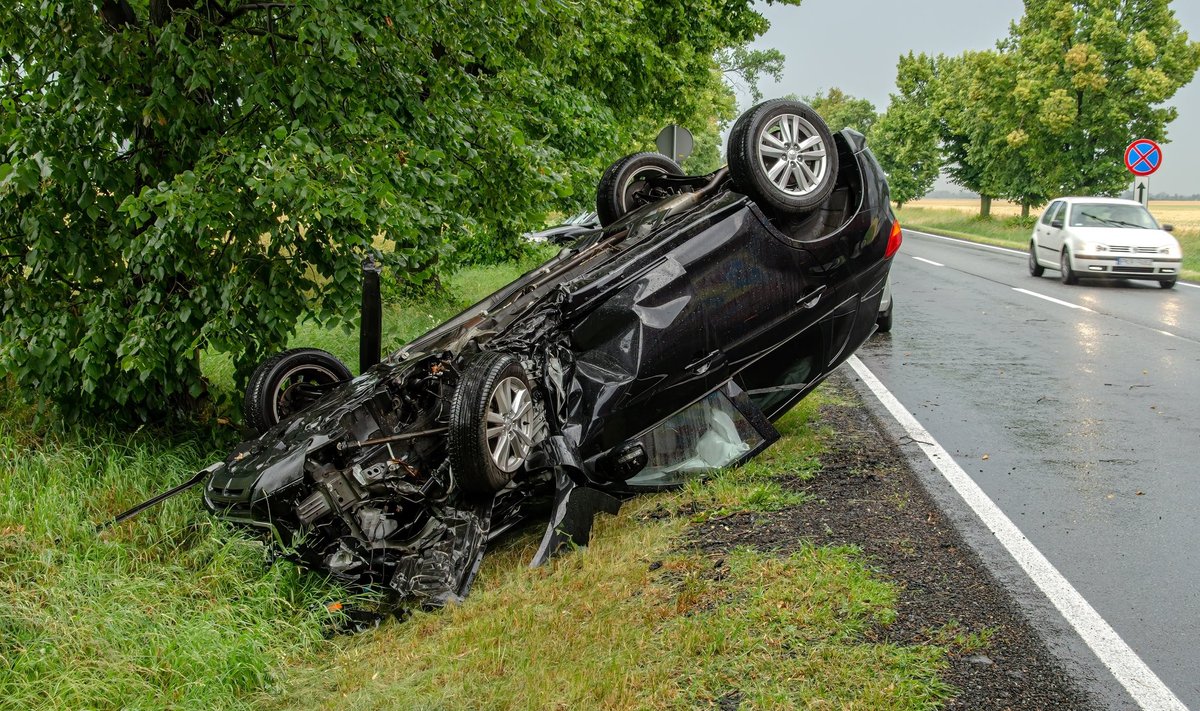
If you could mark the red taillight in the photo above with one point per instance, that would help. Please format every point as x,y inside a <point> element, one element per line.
<point>894,240</point>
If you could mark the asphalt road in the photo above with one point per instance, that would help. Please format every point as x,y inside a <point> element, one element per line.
<point>1077,410</point>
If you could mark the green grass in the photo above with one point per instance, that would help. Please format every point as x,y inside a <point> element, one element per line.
<point>175,610</point>
<point>1014,232</point>
<point>637,620</point>
<point>170,610</point>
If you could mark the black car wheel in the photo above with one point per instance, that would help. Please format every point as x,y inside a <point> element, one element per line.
<point>1167,284</point>
<point>884,320</point>
<point>289,382</point>
<point>1035,269</point>
<point>493,423</point>
<point>624,187</point>
<point>1064,264</point>
<point>782,155</point>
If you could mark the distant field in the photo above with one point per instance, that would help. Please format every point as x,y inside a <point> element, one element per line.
<point>1184,214</point>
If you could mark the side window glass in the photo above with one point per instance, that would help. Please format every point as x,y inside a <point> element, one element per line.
<point>1061,214</point>
<point>1050,213</point>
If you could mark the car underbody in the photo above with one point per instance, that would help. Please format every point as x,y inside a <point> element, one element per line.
<point>657,348</point>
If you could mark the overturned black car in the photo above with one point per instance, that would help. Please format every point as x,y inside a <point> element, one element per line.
<point>660,345</point>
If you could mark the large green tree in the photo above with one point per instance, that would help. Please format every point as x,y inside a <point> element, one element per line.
<point>841,110</point>
<point>1088,77</point>
<point>905,138</point>
<point>177,175</point>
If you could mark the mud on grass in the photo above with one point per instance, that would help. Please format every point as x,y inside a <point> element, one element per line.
<point>864,495</point>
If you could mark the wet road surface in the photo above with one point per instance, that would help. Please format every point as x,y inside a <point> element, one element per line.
<point>1077,410</point>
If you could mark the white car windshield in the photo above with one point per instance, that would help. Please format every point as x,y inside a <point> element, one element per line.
<point>1100,214</point>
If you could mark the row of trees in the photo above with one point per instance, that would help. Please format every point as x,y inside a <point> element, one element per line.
<point>1049,112</point>
<point>179,175</point>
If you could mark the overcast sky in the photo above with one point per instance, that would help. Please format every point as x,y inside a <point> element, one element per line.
<point>854,45</point>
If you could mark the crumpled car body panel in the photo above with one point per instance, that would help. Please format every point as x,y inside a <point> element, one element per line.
<point>661,346</point>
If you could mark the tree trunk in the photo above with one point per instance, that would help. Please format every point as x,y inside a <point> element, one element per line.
<point>985,206</point>
<point>1025,211</point>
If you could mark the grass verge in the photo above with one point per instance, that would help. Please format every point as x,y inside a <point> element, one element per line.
<point>1012,232</point>
<point>640,620</point>
<point>175,610</point>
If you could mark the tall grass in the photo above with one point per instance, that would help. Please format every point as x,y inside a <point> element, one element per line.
<point>169,610</point>
<point>637,621</point>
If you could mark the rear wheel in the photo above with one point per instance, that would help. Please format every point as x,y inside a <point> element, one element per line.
<point>782,155</point>
<point>1064,265</point>
<point>290,382</point>
<point>493,423</point>
<point>1035,269</point>
<point>626,185</point>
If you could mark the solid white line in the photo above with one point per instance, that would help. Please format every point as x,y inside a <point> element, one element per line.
<point>1053,300</point>
<point>965,241</point>
<point>1184,283</point>
<point>1168,333</point>
<point>929,261</point>
<point>1142,684</point>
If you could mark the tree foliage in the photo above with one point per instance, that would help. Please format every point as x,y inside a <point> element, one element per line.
<point>905,138</point>
<point>841,110</point>
<point>1051,110</point>
<point>1086,79</point>
<point>179,175</point>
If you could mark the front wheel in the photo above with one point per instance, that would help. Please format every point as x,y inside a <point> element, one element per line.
<point>1064,264</point>
<point>288,383</point>
<point>1167,284</point>
<point>782,155</point>
<point>1035,269</point>
<point>494,423</point>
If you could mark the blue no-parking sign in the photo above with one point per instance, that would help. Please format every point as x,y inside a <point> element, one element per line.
<point>1143,157</point>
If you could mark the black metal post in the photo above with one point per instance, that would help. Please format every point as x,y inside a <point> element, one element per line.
<point>370,328</point>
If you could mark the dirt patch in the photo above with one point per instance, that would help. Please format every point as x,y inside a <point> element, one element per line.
<point>866,495</point>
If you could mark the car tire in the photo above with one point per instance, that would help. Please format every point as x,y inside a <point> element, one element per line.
<point>782,155</point>
<point>272,394</point>
<point>1035,269</point>
<point>1167,284</point>
<point>1064,264</point>
<point>623,186</point>
<point>884,321</point>
<point>492,423</point>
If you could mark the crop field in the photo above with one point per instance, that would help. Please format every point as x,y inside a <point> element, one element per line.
<point>1183,214</point>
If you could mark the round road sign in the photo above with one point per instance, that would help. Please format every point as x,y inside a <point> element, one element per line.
<point>1143,157</point>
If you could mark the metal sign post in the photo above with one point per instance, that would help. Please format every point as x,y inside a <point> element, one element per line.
<point>675,142</point>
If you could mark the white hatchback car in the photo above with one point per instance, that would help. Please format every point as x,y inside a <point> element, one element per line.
<point>1103,237</point>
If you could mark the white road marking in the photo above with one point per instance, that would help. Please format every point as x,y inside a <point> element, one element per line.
<point>964,241</point>
<point>929,261</point>
<point>1184,283</point>
<point>1054,300</point>
<point>1142,684</point>
<point>1168,333</point>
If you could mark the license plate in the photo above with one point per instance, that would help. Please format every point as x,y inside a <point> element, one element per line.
<point>1134,262</point>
